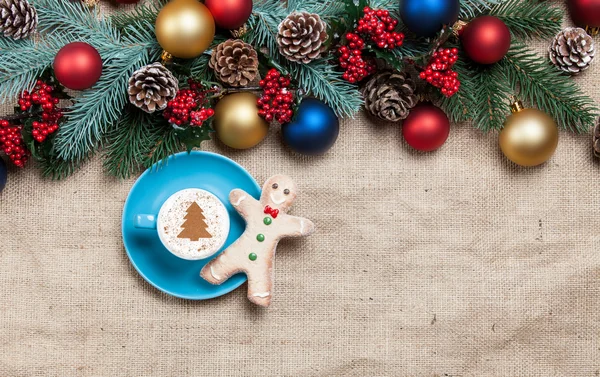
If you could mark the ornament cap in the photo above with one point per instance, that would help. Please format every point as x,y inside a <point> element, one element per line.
<point>166,57</point>
<point>516,106</point>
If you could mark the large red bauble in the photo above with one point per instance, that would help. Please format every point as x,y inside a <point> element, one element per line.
<point>585,12</point>
<point>230,14</point>
<point>78,66</point>
<point>426,128</point>
<point>486,40</point>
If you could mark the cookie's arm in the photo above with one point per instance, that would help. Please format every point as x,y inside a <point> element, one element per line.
<point>297,227</point>
<point>241,200</point>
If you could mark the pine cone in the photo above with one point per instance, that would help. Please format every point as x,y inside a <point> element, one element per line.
<point>235,62</point>
<point>152,87</point>
<point>18,19</point>
<point>596,138</point>
<point>302,36</point>
<point>390,95</point>
<point>572,50</point>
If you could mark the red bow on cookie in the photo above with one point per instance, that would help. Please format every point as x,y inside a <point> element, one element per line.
<point>271,211</point>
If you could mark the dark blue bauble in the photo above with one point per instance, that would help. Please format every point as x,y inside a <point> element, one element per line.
<point>3,174</point>
<point>314,130</point>
<point>426,17</point>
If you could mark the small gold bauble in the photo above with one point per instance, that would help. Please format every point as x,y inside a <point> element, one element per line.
<point>185,28</point>
<point>529,137</point>
<point>237,122</point>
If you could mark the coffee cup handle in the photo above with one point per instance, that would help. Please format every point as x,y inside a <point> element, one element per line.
<point>145,221</point>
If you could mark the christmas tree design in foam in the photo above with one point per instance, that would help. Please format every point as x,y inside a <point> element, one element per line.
<point>194,226</point>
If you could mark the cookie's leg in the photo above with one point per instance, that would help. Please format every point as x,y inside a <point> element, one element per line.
<point>260,286</point>
<point>218,270</point>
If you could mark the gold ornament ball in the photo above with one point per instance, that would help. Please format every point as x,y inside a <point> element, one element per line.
<point>529,137</point>
<point>237,122</point>
<point>185,28</point>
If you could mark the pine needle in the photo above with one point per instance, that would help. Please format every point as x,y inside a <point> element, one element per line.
<point>492,101</point>
<point>529,19</point>
<point>545,87</point>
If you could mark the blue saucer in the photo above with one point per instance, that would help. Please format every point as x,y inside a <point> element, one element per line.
<point>208,171</point>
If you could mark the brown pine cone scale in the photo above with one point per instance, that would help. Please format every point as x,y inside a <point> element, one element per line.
<point>235,62</point>
<point>572,50</point>
<point>390,95</point>
<point>18,19</point>
<point>302,36</point>
<point>152,87</point>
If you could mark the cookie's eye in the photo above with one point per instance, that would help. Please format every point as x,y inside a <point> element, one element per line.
<point>286,192</point>
<point>275,186</point>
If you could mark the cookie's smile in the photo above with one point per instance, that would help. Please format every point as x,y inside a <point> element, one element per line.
<point>275,201</point>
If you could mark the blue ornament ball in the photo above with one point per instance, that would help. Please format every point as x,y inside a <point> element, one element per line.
<point>3,174</point>
<point>314,130</point>
<point>426,17</point>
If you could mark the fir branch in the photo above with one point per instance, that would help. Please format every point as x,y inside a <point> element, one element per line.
<point>324,8</point>
<point>169,144</point>
<point>57,169</point>
<point>543,86</point>
<point>529,19</point>
<point>492,99</point>
<point>23,62</point>
<point>131,142</point>
<point>75,20</point>
<point>473,8</point>
<point>320,79</point>
<point>101,106</point>
<point>264,23</point>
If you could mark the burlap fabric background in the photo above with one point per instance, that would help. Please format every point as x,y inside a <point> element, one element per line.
<point>453,263</point>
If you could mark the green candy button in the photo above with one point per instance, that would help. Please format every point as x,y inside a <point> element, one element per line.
<point>252,256</point>
<point>260,237</point>
<point>267,221</point>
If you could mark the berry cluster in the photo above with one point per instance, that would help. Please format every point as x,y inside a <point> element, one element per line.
<point>439,71</point>
<point>276,100</point>
<point>188,106</point>
<point>352,62</point>
<point>380,26</point>
<point>51,114</point>
<point>11,142</point>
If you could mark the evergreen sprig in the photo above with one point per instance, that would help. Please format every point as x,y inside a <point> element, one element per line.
<point>23,62</point>
<point>546,88</point>
<point>529,19</point>
<point>132,143</point>
<point>492,101</point>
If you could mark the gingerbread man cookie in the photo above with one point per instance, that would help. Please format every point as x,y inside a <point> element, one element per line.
<point>267,222</point>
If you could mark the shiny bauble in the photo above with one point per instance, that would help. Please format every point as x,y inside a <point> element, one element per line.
<point>77,66</point>
<point>486,40</point>
<point>585,12</point>
<point>314,129</point>
<point>3,174</point>
<point>529,136</point>
<point>185,28</point>
<point>237,122</point>
<point>426,128</point>
<point>426,17</point>
<point>230,14</point>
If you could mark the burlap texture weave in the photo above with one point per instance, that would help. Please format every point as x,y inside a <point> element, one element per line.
<point>453,263</point>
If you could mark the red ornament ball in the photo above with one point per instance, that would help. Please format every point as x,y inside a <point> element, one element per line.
<point>426,128</point>
<point>585,12</point>
<point>78,66</point>
<point>230,14</point>
<point>486,40</point>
